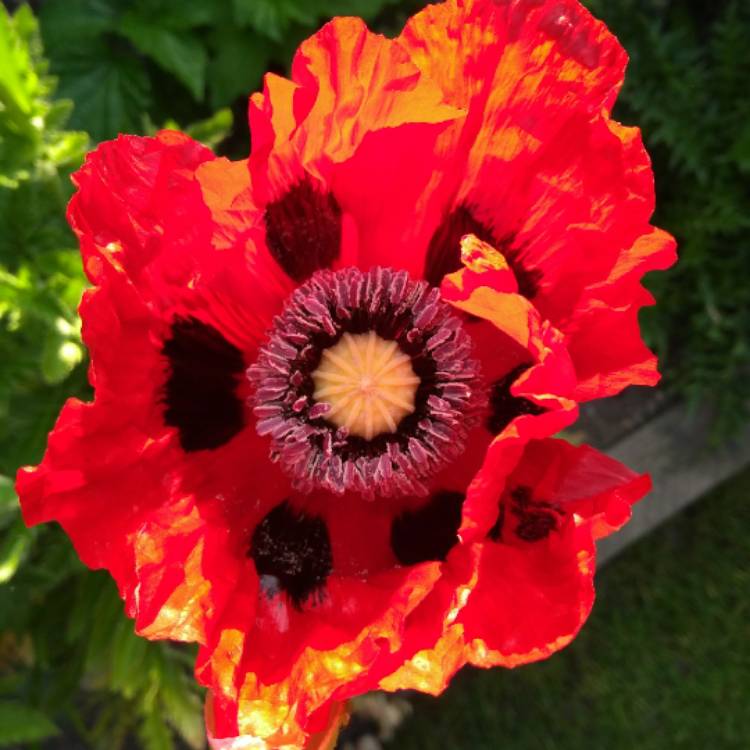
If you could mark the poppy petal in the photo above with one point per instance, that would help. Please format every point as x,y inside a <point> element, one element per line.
<point>359,106</point>
<point>563,192</point>
<point>531,588</point>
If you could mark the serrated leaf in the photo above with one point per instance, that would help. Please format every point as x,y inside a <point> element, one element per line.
<point>65,21</point>
<point>98,71</point>
<point>21,724</point>
<point>32,217</point>
<point>109,86</point>
<point>105,613</point>
<point>178,52</point>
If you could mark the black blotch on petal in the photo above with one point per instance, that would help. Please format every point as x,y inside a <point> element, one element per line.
<point>497,528</point>
<point>535,526</point>
<point>536,518</point>
<point>430,532</point>
<point>527,278</point>
<point>200,394</point>
<point>505,407</point>
<point>444,250</point>
<point>303,230</point>
<point>294,550</point>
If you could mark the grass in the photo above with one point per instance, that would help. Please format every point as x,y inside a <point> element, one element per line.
<point>663,663</point>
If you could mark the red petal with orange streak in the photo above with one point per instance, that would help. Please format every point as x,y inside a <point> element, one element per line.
<point>568,191</point>
<point>356,106</point>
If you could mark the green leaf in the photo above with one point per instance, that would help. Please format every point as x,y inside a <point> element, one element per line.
<point>65,21</point>
<point>128,654</point>
<point>67,150</point>
<point>213,130</point>
<point>8,501</point>
<point>180,53</point>
<point>187,14</point>
<point>29,417</point>
<point>366,9</point>
<point>60,356</point>
<point>14,544</point>
<point>32,216</point>
<point>29,121</point>
<point>104,615</point>
<point>23,724</point>
<point>22,90</point>
<point>238,61</point>
<point>19,84</point>
<point>96,68</point>
<point>272,18</point>
<point>108,85</point>
<point>154,732</point>
<point>180,697</point>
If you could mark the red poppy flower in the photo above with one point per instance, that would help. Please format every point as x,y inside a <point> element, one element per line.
<point>326,377</point>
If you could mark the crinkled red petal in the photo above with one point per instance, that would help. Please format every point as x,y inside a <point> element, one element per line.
<point>160,244</point>
<point>525,590</point>
<point>158,210</point>
<point>75,485</point>
<point>137,203</point>
<point>516,55</point>
<point>609,313</point>
<point>347,83</point>
<point>271,667</point>
<point>356,106</point>
<point>566,192</point>
<point>324,729</point>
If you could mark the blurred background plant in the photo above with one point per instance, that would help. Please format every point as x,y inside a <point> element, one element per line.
<point>74,72</point>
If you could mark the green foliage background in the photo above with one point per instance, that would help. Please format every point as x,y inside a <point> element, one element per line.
<point>74,72</point>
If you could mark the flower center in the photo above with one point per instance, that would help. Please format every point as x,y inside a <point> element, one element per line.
<point>366,384</point>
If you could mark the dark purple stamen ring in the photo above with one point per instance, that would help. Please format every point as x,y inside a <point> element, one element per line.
<point>316,453</point>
